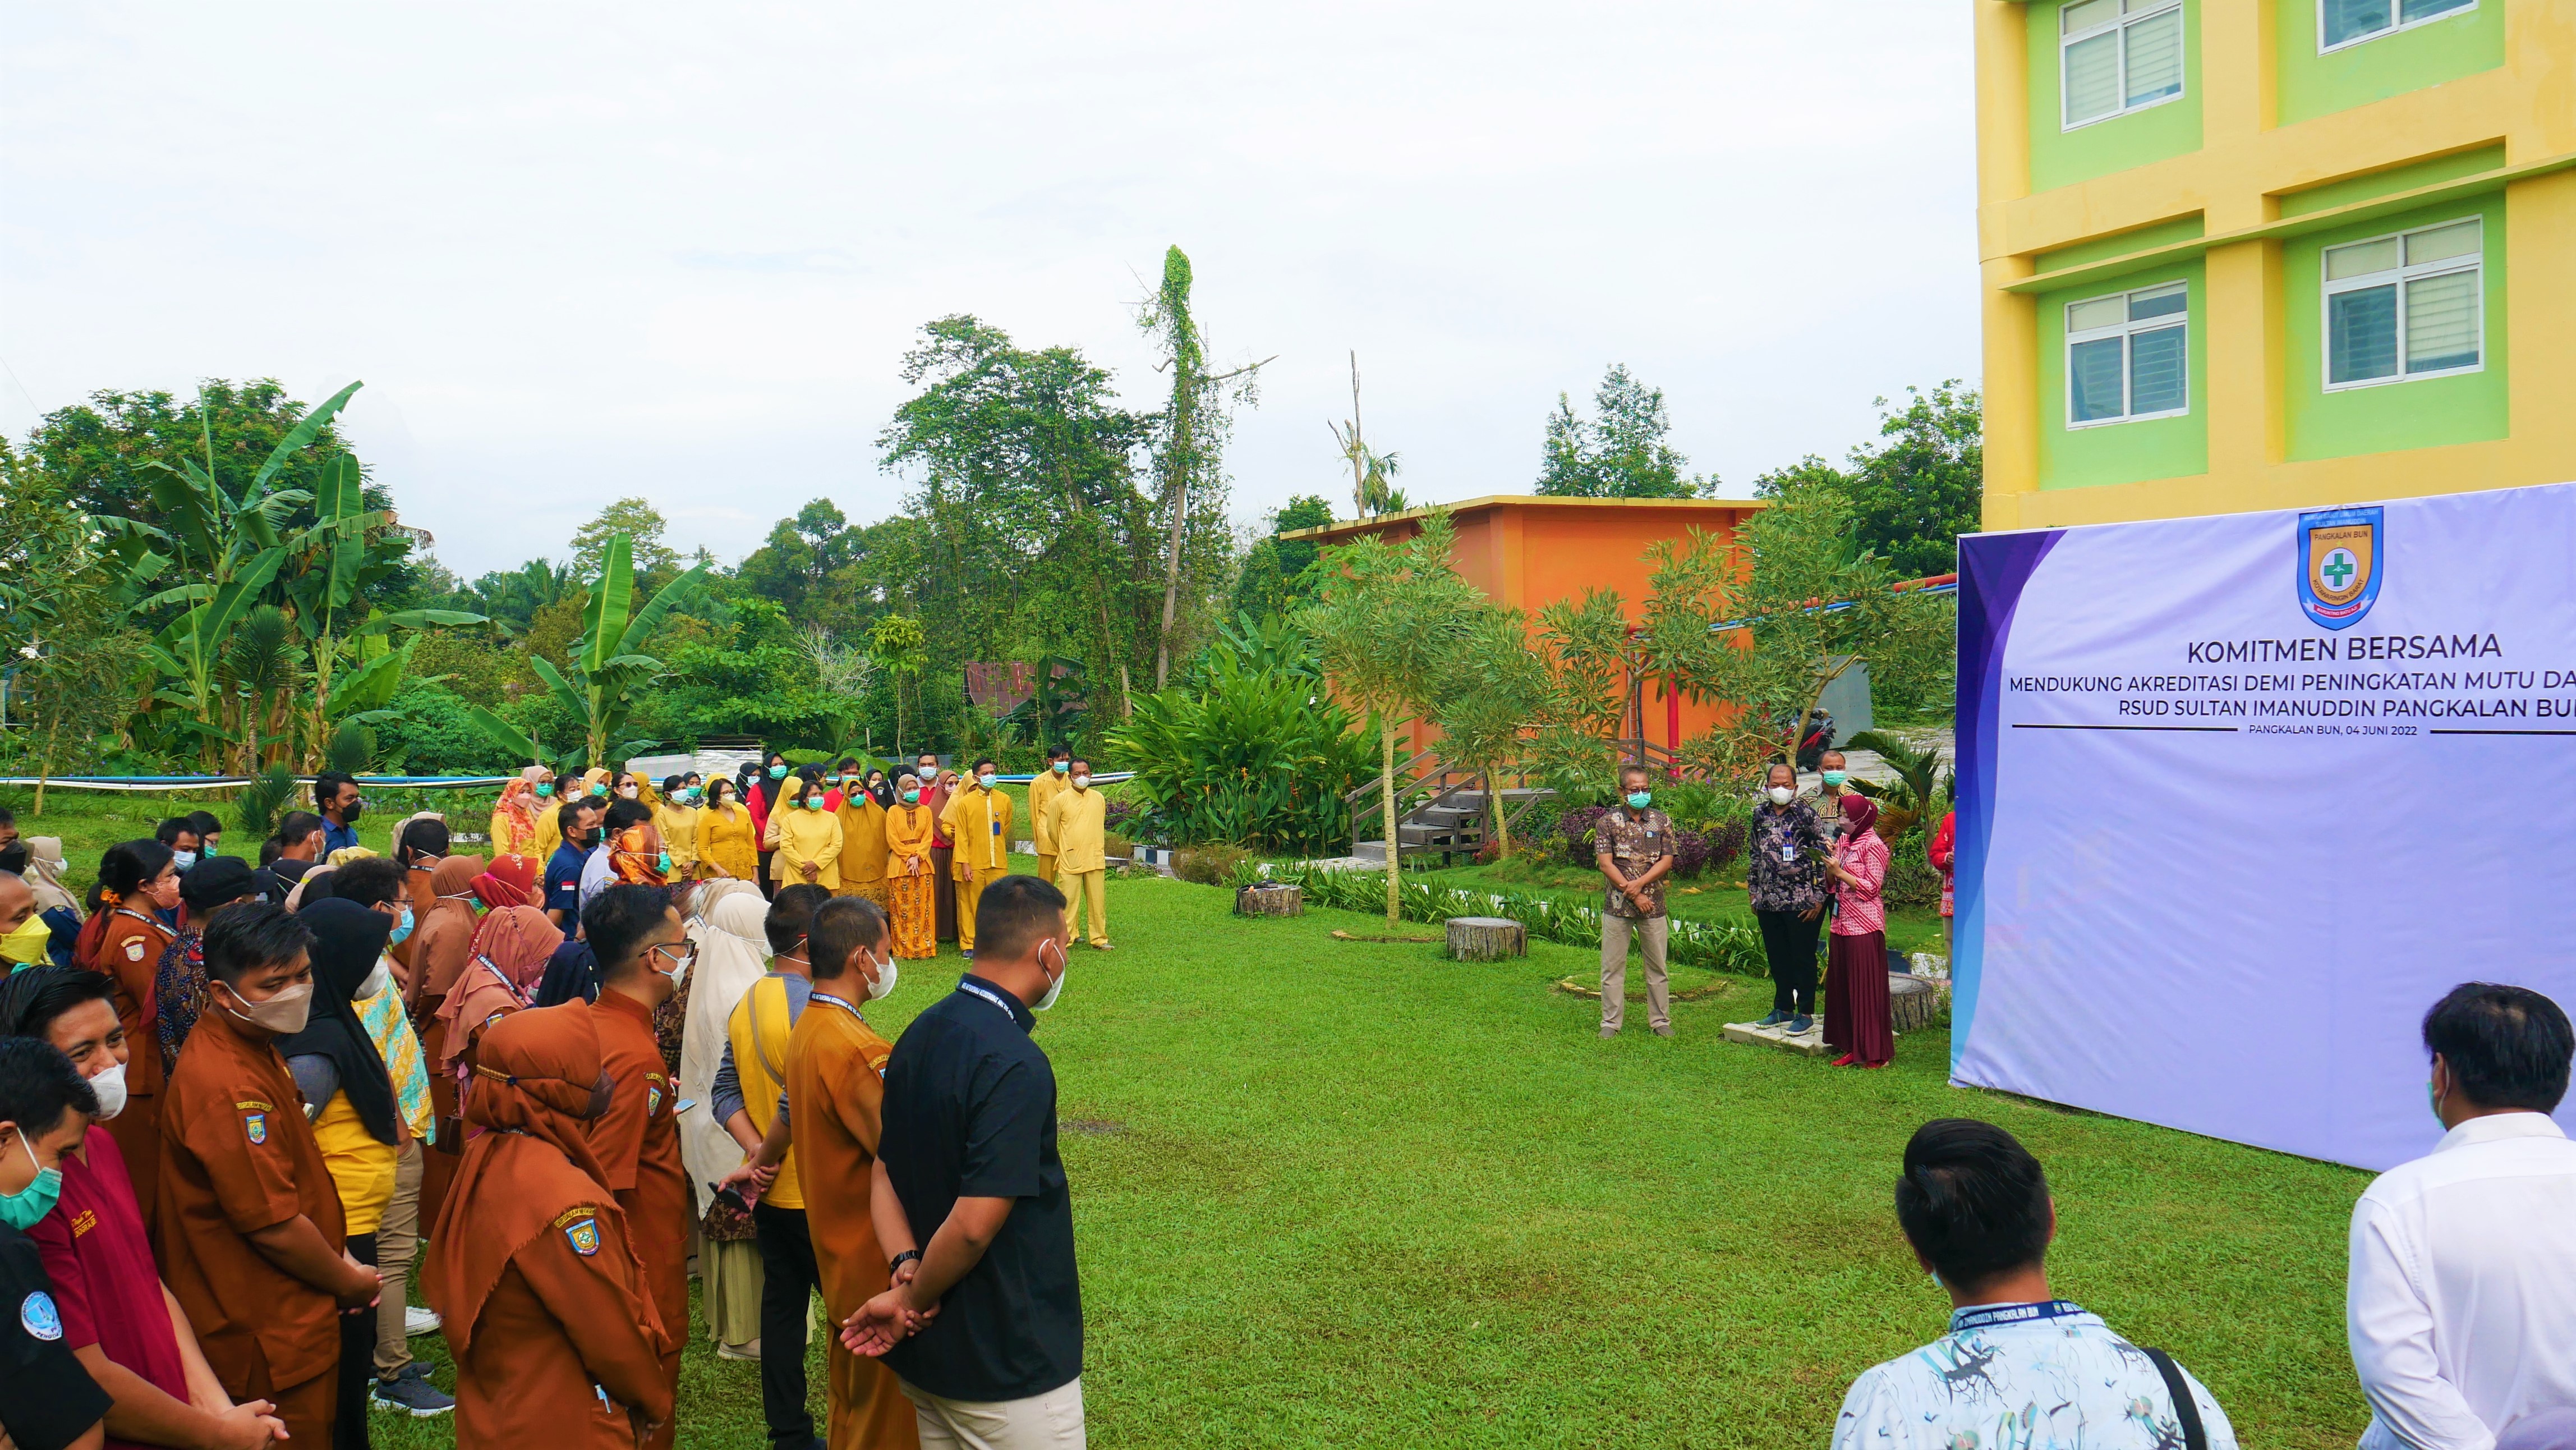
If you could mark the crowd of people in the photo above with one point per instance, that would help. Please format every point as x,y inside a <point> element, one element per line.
<point>243,1107</point>
<point>240,1104</point>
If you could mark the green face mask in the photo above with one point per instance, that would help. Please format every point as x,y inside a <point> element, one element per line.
<point>831,780</point>
<point>25,1208</point>
<point>912,797</point>
<point>601,789</point>
<point>813,803</point>
<point>1062,766</point>
<point>544,791</point>
<point>1641,798</point>
<point>778,772</point>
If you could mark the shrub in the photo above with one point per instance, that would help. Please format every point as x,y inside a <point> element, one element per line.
<point>1211,864</point>
<point>1911,881</point>
<point>1690,853</point>
<point>1575,829</point>
<point>1249,756</point>
<point>435,736</point>
<point>1726,837</point>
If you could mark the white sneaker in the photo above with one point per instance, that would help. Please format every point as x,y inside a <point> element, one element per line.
<point>417,1321</point>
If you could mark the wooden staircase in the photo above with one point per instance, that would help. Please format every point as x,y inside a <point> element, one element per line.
<point>1442,811</point>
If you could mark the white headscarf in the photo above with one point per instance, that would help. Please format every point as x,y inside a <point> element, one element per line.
<point>733,952</point>
<point>45,876</point>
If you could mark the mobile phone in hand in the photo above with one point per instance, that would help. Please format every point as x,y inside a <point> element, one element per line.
<point>730,1197</point>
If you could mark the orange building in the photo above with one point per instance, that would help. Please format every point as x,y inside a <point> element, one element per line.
<point>1528,552</point>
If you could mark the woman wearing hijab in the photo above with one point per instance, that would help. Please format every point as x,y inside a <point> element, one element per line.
<point>728,837</point>
<point>676,818</point>
<point>514,818</point>
<point>441,949</point>
<point>764,792</point>
<point>511,950</point>
<point>349,1098</point>
<point>124,939</point>
<point>911,877</point>
<point>508,881</point>
<point>1856,1011</point>
<point>542,1300</point>
<point>804,839</point>
<point>862,814</point>
<point>56,903</point>
<point>731,956</point>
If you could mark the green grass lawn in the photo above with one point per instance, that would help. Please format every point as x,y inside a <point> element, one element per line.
<point>1717,895</point>
<point>1336,1193</point>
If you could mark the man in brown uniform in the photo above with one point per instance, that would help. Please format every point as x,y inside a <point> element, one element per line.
<point>835,1101</point>
<point>249,1234</point>
<point>557,1345</point>
<point>643,953</point>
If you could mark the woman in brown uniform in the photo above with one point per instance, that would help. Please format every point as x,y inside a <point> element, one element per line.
<point>556,1343</point>
<point>440,951</point>
<point>124,940</point>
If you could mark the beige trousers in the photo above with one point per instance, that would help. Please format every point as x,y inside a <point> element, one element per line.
<point>1051,1421</point>
<point>1082,888</point>
<point>1650,933</point>
<point>397,1244</point>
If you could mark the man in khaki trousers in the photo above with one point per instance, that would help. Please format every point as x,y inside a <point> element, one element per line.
<point>1078,823</point>
<point>1633,845</point>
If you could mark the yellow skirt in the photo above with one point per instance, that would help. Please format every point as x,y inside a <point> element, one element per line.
<point>916,916</point>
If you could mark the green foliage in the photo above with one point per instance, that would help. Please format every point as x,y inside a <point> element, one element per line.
<point>1212,863</point>
<point>643,526</point>
<point>257,808</point>
<point>1912,799</point>
<point>1494,692</point>
<point>1915,492</point>
<point>1247,756</point>
<point>352,749</point>
<point>1274,577</point>
<point>436,734</point>
<point>1734,947</point>
<point>608,670</point>
<point>1621,452</point>
<point>1189,456</point>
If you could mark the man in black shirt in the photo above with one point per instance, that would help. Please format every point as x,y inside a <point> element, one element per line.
<point>47,1400</point>
<point>983,1324</point>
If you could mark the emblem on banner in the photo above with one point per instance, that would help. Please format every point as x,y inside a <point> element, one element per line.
<point>2341,560</point>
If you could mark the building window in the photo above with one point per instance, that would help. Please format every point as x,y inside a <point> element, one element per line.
<point>2406,306</point>
<point>2117,56</point>
<point>2350,22</point>
<point>2125,357</point>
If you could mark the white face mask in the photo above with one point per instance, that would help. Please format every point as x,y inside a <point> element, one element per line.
<point>1055,988</point>
<point>1082,782</point>
<point>1781,795</point>
<point>626,791</point>
<point>183,859</point>
<point>886,972</point>
<point>110,1087</point>
<point>377,980</point>
<point>985,780</point>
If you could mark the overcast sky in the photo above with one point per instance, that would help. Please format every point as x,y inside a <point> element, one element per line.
<point>580,252</point>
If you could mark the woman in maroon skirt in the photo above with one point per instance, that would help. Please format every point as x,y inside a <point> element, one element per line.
<point>1856,1017</point>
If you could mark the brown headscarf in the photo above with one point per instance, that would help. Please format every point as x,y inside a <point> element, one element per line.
<point>517,941</point>
<point>445,939</point>
<point>532,1089</point>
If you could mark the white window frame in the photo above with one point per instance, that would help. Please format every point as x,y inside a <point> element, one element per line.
<point>2124,330</point>
<point>2066,42</point>
<point>2395,8</point>
<point>2401,274</point>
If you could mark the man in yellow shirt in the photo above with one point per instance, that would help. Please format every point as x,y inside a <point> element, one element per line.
<point>1078,823</point>
<point>978,820</point>
<point>1043,789</point>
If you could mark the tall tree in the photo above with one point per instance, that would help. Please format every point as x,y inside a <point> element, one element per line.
<point>1389,619</point>
<point>643,526</point>
<point>1273,579</point>
<point>1189,453</point>
<point>1620,452</point>
<point>1373,489</point>
<point>1915,492</point>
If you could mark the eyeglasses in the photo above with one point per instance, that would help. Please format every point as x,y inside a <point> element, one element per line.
<point>679,954</point>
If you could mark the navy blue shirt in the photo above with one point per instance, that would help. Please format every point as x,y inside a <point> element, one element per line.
<point>970,1113</point>
<point>335,836</point>
<point>47,1400</point>
<point>563,881</point>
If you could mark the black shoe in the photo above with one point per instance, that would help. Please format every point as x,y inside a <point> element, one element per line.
<point>409,1392</point>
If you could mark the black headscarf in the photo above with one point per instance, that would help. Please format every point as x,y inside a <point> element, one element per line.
<point>348,941</point>
<point>883,791</point>
<point>572,975</point>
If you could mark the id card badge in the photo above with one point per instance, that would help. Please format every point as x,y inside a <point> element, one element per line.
<point>1788,853</point>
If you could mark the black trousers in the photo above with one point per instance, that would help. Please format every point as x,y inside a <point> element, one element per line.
<point>786,1306</point>
<point>357,1361</point>
<point>1790,944</point>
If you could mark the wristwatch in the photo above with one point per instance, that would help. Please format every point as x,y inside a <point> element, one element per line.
<point>895,1265</point>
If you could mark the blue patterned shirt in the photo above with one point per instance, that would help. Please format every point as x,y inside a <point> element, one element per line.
<point>2022,1377</point>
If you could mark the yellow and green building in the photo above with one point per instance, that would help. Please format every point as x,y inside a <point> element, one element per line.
<point>2257,254</point>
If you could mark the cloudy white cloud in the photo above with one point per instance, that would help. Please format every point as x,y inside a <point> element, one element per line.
<point>578,252</point>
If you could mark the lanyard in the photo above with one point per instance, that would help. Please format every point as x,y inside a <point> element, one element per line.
<point>1989,1315</point>
<point>989,997</point>
<point>837,1002</point>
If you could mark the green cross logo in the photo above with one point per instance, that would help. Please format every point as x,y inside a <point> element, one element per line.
<point>2338,567</point>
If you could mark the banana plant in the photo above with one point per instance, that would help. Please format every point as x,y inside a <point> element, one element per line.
<point>345,550</point>
<point>609,667</point>
<point>230,545</point>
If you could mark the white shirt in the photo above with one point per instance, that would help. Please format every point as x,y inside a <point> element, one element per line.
<point>2461,1303</point>
<point>594,873</point>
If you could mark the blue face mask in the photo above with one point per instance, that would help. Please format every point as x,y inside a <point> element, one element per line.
<point>778,772</point>
<point>402,929</point>
<point>1641,799</point>
<point>23,1209</point>
<point>1834,777</point>
<point>1062,766</point>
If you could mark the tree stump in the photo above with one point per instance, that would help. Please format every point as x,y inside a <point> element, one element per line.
<point>1914,1002</point>
<point>1486,938</point>
<point>1270,898</point>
